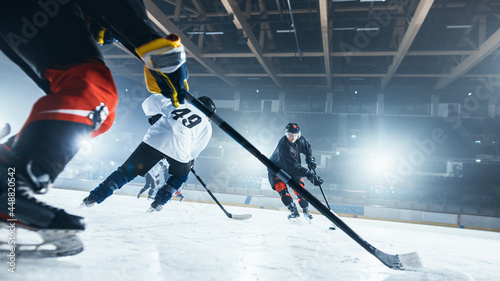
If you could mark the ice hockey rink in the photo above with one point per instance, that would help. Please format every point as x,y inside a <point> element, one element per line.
<point>197,241</point>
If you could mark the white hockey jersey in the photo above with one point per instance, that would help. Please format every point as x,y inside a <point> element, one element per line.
<point>181,133</point>
<point>155,171</point>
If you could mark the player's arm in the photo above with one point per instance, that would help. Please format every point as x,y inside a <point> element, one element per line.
<point>164,67</point>
<point>306,148</point>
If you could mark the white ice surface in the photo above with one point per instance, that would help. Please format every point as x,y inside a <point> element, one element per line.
<point>196,241</point>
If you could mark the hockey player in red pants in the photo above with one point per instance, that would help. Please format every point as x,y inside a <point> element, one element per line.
<point>287,156</point>
<point>51,42</point>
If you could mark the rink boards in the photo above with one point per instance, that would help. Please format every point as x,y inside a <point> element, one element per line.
<point>345,210</point>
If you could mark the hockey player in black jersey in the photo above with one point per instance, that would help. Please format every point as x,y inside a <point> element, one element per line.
<point>287,156</point>
<point>53,44</point>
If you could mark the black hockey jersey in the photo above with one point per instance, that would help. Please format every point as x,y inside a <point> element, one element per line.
<point>287,156</point>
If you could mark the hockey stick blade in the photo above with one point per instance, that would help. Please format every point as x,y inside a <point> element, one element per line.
<point>5,131</point>
<point>410,261</point>
<point>228,214</point>
<point>240,217</point>
<point>401,262</point>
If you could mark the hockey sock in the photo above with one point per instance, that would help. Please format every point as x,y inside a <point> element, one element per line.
<point>303,203</point>
<point>113,182</point>
<point>164,194</point>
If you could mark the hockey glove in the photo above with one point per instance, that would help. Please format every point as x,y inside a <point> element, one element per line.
<point>154,118</point>
<point>164,70</point>
<point>311,162</point>
<point>314,179</point>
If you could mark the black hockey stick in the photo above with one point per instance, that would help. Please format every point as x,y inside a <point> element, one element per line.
<point>5,131</point>
<point>229,215</point>
<point>401,262</point>
<point>322,192</point>
<point>320,188</point>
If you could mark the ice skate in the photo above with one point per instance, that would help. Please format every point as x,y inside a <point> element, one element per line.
<point>294,213</point>
<point>162,196</point>
<point>181,197</point>
<point>56,227</point>
<point>88,201</point>
<point>307,215</point>
<point>155,207</point>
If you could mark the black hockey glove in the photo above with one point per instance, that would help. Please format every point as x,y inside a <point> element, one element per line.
<point>311,163</point>
<point>154,118</point>
<point>314,179</point>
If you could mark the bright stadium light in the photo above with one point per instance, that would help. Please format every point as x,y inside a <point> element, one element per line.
<point>379,164</point>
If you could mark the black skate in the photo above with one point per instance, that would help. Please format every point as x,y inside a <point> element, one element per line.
<point>181,197</point>
<point>307,215</point>
<point>57,228</point>
<point>88,201</point>
<point>155,207</point>
<point>293,217</point>
<point>138,195</point>
<point>294,213</point>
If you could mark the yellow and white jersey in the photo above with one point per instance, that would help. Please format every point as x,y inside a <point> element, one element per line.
<point>181,133</point>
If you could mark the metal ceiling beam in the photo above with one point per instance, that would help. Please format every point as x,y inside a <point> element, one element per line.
<point>416,22</point>
<point>167,26</point>
<point>325,36</point>
<point>297,11</point>
<point>239,20</point>
<point>345,75</point>
<point>488,47</point>
<point>344,54</point>
<point>317,54</point>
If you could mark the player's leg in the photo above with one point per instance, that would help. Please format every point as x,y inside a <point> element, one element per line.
<point>151,190</point>
<point>179,174</point>
<point>139,163</point>
<point>286,198</point>
<point>149,184</point>
<point>303,202</point>
<point>53,46</point>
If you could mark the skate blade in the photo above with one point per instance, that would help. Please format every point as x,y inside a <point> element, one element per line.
<point>56,243</point>
<point>83,205</point>
<point>308,219</point>
<point>153,210</point>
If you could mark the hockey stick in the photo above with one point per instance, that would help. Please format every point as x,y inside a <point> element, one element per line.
<point>401,262</point>
<point>324,196</point>
<point>229,215</point>
<point>5,131</point>
<point>320,188</point>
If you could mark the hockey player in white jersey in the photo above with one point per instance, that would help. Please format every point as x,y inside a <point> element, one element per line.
<point>178,134</point>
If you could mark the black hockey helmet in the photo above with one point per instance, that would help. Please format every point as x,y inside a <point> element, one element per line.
<point>292,128</point>
<point>208,102</point>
